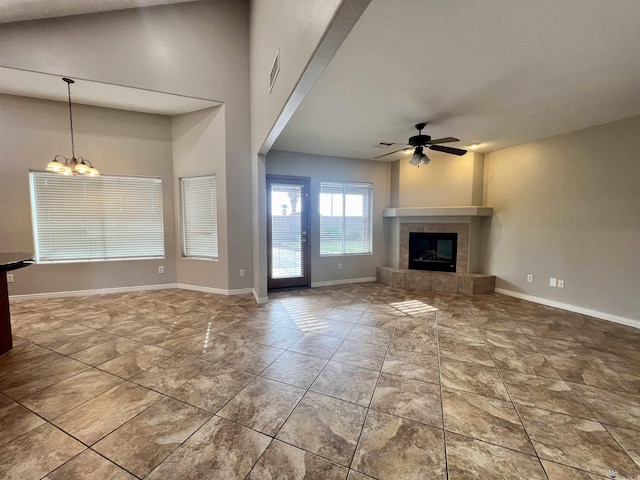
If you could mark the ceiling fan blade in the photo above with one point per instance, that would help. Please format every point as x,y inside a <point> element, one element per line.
<point>443,140</point>
<point>451,150</point>
<point>391,153</point>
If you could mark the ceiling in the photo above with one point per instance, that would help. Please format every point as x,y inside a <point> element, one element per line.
<point>495,72</point>
<point>21,10</point>
<point>51,87</point>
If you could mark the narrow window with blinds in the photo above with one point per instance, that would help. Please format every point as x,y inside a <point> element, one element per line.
<point>345,218</point>
<point>80,219</point>
<point>199,217</point>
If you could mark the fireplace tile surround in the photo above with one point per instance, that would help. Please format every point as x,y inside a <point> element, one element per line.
<point>462,229</point>
<point>465,222</point>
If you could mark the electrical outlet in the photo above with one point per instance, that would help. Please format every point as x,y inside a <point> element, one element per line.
<point>10,278</point>
<point>160,269</point>
<point>242,272</point>
<point>530,277</point>
<point>553,282</point>
<point>560,283</point>
<point>339,266</point>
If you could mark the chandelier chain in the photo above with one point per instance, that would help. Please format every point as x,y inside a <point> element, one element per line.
<point>73,150</point>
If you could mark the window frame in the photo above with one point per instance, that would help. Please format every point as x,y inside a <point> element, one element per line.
<point>183,238</point>
<point>71,203</point>
<point>367,209</point>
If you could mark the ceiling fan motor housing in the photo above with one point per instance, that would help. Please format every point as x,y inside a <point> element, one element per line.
<point>419,140</point>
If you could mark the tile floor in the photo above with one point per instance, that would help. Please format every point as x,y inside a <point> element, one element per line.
<point>353,382</point>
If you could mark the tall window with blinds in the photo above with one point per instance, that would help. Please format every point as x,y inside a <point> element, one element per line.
<point>78,218</point>
<point>199,217</point>
<point>345,218</point>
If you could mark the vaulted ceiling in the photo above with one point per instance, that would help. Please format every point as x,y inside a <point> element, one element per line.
<point>22,10</point>
<point>495,72</point>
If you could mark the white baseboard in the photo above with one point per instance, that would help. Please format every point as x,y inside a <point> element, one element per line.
<point>96,291</point>
<point>137,288</point>
<point>219,291</point>
<point>572,308</point>
<point>345,281</point>
<point>260,300</point>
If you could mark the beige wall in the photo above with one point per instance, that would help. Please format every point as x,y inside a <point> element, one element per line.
<point>307,34</point>
<point>199,149</point>
<point>448,181</point>
<point>117,142</point>
<point>295,28</point>
<point>199,49</point>
<point>283,25</point>
<point>320,168</point>
<point>569,207</point>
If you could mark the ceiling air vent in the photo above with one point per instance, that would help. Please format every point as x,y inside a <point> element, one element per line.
<point>275,69</point>
<point>383,145</point>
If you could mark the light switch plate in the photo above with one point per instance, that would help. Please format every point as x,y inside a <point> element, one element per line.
<point>553,282</point>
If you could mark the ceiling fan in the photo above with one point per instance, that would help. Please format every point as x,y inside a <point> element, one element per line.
<point>419,142</point>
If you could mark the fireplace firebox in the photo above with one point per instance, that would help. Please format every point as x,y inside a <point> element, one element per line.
<point>433,251</point>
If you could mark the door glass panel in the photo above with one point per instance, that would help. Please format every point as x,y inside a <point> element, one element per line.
<point>287,236</point>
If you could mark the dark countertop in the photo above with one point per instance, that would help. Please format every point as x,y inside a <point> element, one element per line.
<point>14,260</point>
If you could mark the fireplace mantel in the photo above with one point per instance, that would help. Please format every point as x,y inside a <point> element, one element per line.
<point>438,212</point>
<point>468,222</point>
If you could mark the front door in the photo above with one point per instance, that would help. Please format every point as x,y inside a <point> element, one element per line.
<point>287,231</point>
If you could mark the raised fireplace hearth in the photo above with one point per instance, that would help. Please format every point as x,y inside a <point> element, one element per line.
<point>433,251</point>
<point>465,224</point>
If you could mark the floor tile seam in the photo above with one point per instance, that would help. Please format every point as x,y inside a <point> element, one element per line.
<point>630,364</point>
<point>444,431</point>
<point>608,388</point>
<point>210,412</point>
<point>342,362</point>
<point>633,461</point>
<point>168,394</point>
<point>259,372</point>
<point>75,406</point>
<point>67,461</point>
<point>595,413</point>
<point>26,433</point>
<point>57,427</point>
<point>275,435</point>
<point>513,405</point>
<point>5,392</point>
<point>274,380</point>
<point>572,467</point>
<point>355,450</point>
<point>179,446</point>
<point>421,422</point>
<point>89,445</point>
<point>117,464</point>
<point>324,368</point>
<point>113,460</point>
<point>530,374</point>
<point>577,417</point>
<point>481,440</point>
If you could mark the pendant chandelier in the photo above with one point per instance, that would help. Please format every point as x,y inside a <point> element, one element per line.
<point>71,166</point>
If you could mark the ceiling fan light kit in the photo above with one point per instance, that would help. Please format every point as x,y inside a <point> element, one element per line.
<point>418,142</point>
<point>419,157</point>
<point>71,166</point>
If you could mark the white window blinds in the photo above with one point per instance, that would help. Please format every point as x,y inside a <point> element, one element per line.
<point>199,217</point>
<point>345,218</point>
<point>96,218</point>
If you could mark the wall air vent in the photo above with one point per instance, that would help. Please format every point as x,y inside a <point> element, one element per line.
<point>275,69</point>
